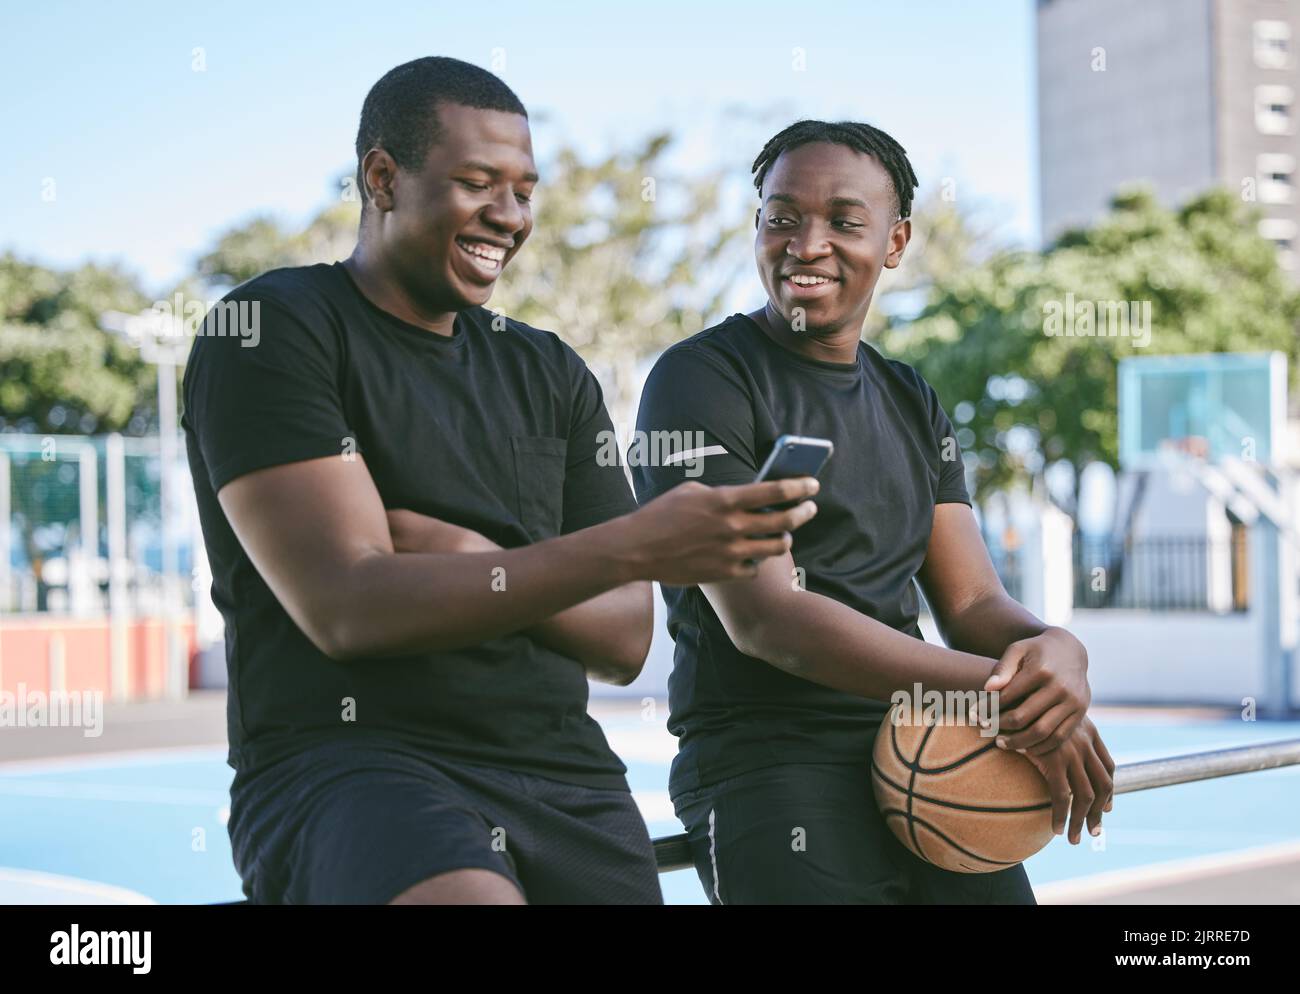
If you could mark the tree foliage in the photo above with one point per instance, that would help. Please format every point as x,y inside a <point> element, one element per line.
<point>1022,396</point>
<point>59,371</point>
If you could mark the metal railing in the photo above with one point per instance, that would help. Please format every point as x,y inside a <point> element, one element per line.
<point>673,852</point>
<point>1168,573</point>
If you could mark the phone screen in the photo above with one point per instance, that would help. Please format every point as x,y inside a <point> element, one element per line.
<point>794,456</point>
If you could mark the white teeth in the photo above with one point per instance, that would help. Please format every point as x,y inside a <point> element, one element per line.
<point>801,280</point>
<point>489,253</point>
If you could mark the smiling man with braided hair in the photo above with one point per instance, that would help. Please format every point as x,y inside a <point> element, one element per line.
<point>779,681</point>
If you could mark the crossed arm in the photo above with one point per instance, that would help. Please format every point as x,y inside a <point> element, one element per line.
<point>331,562</point>
<point>609,634</point>
<point>318,534</point>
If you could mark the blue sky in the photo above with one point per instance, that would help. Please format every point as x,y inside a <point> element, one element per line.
<point>151,160</point>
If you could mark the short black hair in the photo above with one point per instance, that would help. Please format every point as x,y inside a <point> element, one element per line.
<point>400,112</point>
<point>860,137</point>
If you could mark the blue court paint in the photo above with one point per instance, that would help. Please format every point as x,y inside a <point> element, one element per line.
<point>154,823</point>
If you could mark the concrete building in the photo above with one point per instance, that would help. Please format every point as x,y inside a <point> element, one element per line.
<point>1180,94</point>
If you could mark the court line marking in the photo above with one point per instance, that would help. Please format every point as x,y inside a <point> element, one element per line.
<point>1117,882</point>
<point>160,755</point>
<point>119,793</point>
<point>107,893</point>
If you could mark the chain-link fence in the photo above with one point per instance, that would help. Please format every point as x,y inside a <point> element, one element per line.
<point>74,508</point>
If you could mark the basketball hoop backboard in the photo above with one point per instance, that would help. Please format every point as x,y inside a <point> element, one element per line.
<point>1223,405</point>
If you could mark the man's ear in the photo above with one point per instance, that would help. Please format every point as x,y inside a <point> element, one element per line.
<point>758,213</point>
<point>378,172</point>
<point>898,239</point>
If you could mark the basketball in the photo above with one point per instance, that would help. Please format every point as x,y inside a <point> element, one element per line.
<point>955,799</point>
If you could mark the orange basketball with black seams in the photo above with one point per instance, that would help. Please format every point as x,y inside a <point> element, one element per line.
<point>955,799</point>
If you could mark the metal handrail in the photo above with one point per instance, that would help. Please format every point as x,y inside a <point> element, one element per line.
<point>673,852</point>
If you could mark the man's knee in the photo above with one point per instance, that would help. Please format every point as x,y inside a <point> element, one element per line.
<point>470,886</point>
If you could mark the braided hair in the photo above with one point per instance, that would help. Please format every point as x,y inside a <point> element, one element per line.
<point>860,137</point>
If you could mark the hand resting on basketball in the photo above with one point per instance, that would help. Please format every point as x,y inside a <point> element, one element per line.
<point>1047,678</point>
<point>1081,777</point>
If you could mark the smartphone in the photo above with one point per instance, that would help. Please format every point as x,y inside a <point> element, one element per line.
<point>794,456</point>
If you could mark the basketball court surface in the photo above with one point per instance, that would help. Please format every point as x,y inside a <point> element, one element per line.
<point>138,815</point>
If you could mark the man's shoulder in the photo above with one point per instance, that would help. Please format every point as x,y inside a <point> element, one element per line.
<point>282,309</point>
<point>730,336</point>
<point>286,303</point>
<point>288,285</point>
<point>901,374</point>
<point>723,347</point>
<point>906,381</point>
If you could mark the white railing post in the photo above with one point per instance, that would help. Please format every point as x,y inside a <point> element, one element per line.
<point>118,567</point>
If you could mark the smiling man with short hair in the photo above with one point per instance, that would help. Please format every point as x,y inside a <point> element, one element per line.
<point>418,554</point>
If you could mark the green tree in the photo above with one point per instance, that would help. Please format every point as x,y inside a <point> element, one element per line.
<point>59,371</point>
<point>1023,397</point>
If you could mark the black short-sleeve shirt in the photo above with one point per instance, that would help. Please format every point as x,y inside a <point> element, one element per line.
<point>729,393</point>
<point>496,428</point>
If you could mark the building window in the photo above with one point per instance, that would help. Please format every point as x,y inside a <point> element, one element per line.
<point>1281,232</point>
<point>1275,177</point>
<point>1273,109</point>
<point>1272,44</point>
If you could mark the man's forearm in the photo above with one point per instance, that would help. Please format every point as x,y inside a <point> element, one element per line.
<point>821,640</point>
<point>609,634</point>
<point>988,625</point>
<point>391,604</point>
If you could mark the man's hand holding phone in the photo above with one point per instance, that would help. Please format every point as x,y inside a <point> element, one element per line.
<point>794,456</point>
<point>699,534</point>
<point>693,534</point>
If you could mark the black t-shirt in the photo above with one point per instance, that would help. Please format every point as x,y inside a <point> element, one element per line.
<point>493,430</point>
<point>895,458</point>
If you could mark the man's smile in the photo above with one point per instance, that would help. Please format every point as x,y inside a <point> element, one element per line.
<point>809,285</point>
<point>486,257</point>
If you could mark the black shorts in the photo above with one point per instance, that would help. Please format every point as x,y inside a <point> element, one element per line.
<point>810,833</point>
<point>344,823</point>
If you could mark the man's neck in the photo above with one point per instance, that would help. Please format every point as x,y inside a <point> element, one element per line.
<point>840,345</point>
<point>383,290</point>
